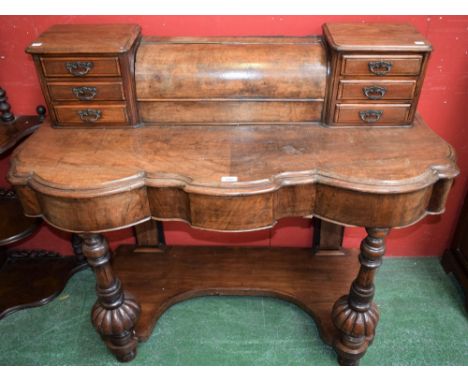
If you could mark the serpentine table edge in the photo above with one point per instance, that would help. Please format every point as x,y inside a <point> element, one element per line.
<point>232,178</point>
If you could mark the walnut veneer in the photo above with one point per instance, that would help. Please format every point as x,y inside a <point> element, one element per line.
<point>363,177</point>
<point>234,135</point>
<point>377,73</point>
<point>86,73</point>
<point>358,74</point>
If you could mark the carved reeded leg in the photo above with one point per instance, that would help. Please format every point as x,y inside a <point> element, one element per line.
<point>355,315</point>
<point>115,313</point>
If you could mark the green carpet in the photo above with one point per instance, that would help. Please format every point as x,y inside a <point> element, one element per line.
<point>423,323</point>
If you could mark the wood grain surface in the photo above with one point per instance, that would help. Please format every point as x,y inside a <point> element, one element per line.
<point>90,38</point>
<point>375,37</point>
<point>159,278</point>
<point>231,80</point>
<point>354,176</point>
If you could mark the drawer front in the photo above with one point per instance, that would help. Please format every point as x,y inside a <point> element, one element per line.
<point>91,114</point>
<point>382,65</point>
<point>215,112</point>
<point>86,91</point>
<point>80,67</point>
<point>376,90</point>
<point>372,114</point>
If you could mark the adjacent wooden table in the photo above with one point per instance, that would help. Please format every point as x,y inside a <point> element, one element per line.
<point>233,178</point>
<point>28,278</point>
<point>455,259</point>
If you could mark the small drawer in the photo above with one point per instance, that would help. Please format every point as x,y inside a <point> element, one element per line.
<point>376,90</point>
<point>86,91</point>
<point>91,114</point>
<point>80,67</point>
<point>372,114</point>
<point>382,65</point>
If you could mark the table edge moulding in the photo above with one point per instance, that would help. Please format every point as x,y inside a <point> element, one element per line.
<point>233,134</point>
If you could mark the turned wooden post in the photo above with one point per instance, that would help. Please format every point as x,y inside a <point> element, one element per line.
<point>355,315</point>
<point>5,109</point>
<point>115,313</point>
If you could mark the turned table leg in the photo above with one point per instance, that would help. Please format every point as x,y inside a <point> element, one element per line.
<point>355,315</point>
<point>115,312</point>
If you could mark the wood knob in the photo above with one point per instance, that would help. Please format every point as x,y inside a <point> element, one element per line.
<point>41,111</point>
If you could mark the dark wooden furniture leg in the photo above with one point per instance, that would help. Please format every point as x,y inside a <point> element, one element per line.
<point>355,315</point>
<point>328,238</point>
<point>150,234</point>
<point>115,313</point>
<point>455,258</point>
<point>77,245</point>
<point>454,261</point>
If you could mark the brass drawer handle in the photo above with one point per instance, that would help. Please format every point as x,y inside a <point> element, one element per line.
<point>374,92</point>
<point>380,68</point>
<point>79,68</point>
<point>370,116</point>
<point>90,115</point>
<point>85,93</point>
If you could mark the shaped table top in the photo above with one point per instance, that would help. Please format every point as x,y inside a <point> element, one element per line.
<point>232,178</point>
<point>209,159</point>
